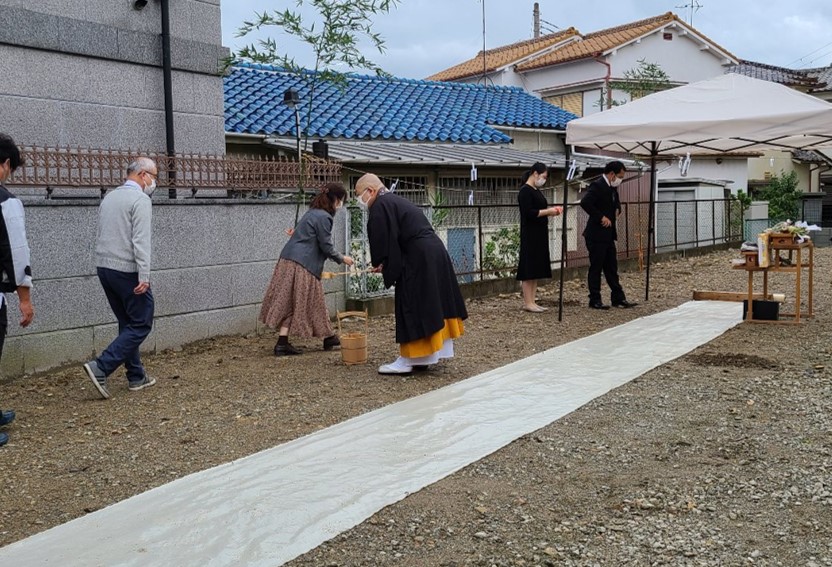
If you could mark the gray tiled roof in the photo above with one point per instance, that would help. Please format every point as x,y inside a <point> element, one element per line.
<point>782,75</point>
<point>430,154</point>
<point>822,74</point>
<point>809,156</point>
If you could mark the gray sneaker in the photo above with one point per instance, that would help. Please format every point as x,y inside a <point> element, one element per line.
<point>98,378</point>
<point>145,382</point>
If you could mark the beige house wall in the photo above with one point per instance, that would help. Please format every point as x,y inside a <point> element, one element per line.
<point>779,162</point>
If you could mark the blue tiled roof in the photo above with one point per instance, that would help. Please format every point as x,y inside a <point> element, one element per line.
<point>377,108</point>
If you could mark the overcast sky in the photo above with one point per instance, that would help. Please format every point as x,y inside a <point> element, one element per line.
<point>427,36</point>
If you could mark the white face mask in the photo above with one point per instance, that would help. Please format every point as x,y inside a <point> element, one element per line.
<point>149,189</point>
<point>362,204</point>
<point>541,181</point>
<point>616,182</point>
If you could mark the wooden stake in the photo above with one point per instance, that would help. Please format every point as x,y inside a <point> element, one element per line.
<point>727,296</point>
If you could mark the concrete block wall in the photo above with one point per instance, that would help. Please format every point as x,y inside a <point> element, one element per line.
<point>211,263</point>
<point>88,74</point>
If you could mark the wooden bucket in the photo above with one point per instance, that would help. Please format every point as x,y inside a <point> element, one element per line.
<point>354,343</point>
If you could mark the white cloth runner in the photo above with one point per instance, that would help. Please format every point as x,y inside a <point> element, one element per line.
<point>270,507</point>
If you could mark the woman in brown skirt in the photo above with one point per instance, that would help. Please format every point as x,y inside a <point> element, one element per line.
<point>294,301</point>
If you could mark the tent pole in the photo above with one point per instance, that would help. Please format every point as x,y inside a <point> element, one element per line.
<point>563,229</point>
<point>651,226</point>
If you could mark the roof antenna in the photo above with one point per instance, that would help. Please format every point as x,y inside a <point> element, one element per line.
<point>694,7</point>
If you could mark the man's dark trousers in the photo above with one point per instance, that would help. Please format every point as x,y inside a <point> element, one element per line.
<point>603,258</point>
<point>135,320</point>
<point>4,322</point>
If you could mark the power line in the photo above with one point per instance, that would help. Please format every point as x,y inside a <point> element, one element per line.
<point>550,25</point>
<point>822,55</point>
<point>801,58</point>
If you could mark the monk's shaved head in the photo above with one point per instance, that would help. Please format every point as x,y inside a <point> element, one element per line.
<point>370,184</point>
<point>367,181</point>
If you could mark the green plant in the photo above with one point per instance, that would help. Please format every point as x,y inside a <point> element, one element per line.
<point>743,198</point>
<point>501,252</point>
<point>737,206</point>
<point>647,78</point>
<point>437,212</point>
<point>333,35</point>
<point>789,227</point>
<point>782,196</point>
<point>363,284</point>
<point>356,219</point>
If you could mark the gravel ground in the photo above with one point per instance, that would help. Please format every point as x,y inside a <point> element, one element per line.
<point>721,457</point>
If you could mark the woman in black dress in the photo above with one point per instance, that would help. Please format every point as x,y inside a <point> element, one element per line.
<point>534,235</point>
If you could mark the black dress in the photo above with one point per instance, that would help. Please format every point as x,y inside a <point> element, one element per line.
<point>417,263</point>
<point>534,262</point>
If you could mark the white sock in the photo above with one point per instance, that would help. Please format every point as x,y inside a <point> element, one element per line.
<point>421,360</point>
<point>400,363</point>
<point>447,351</point>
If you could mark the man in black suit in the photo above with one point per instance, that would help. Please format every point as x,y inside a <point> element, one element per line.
<point>602,205</point>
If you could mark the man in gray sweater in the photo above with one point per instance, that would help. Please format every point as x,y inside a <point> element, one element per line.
<point>122,256</point>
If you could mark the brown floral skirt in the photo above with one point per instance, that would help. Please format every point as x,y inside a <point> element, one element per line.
<point>295,299</point>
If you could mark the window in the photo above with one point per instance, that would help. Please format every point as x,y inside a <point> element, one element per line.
<point>412,188</point>
<point>570,102</point>
<point>487,190</point>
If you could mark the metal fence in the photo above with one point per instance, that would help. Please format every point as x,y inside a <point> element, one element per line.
<point>810,211</point>
<point>61,168</point>
<point>483,241</point>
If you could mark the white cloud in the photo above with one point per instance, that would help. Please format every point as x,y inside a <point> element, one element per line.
<point>426,36</point>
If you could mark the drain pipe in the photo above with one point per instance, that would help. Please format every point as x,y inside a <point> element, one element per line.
<point>168,86</point>
<point>607,78</point>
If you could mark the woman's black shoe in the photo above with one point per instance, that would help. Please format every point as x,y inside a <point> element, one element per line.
<point>331,342</point>
<point>285,350</point>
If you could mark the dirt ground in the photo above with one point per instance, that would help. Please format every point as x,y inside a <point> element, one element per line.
<point>721,457</point>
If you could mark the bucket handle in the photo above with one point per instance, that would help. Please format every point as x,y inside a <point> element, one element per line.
<point>360,314</point>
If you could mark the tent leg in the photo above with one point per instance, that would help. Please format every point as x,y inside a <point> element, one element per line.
<point>563,230</point>
<point>651,226</point>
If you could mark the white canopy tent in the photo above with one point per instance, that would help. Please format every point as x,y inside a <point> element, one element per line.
<point>729,113</point>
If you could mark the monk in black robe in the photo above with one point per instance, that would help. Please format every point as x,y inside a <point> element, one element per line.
<point>409,254</point>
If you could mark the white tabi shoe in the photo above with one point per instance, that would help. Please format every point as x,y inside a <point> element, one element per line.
<point>396,367</point>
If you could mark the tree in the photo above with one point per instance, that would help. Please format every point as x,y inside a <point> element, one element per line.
<point>333,34</point>
<point>647,78</point>
<point>736,212</point>
<point>782,196</point>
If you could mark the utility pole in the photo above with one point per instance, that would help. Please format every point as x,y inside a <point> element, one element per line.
<point>536,20</point>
